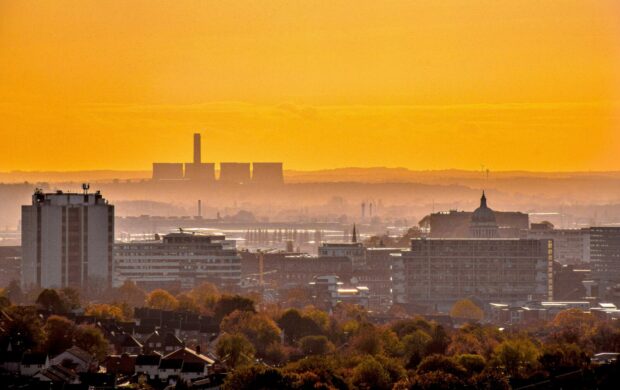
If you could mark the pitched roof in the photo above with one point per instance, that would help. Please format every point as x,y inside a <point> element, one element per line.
<point>189,355</point>
<point>171,364</point>
<point>193,367</point>
<point>129,341</point>
<point>152,359</point>
<point>80,354</point>
<point>31,358</point>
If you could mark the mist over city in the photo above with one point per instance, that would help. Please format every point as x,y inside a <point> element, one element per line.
<point>346,195</point>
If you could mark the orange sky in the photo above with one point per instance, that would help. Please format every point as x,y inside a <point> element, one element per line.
<point>427,84</point>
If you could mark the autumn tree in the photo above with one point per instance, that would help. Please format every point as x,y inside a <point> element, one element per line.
<point>259,329</point>
<point>161,299</point>
<point>229,303</point>
<point>205,295</point>
<point>370,374</point>
<point>131,294</point>
<point>104,310</point>
<point>60,333</point>
<point>50,300</point>
<point>296,326</point>
<point>316,345</point>
<point>188,303</point>
<point>235,350</point>
<point>467,310</point>
<point>92,340</point>
<point>516,355</point>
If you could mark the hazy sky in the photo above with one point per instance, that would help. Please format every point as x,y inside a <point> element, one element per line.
<point>421,84</point>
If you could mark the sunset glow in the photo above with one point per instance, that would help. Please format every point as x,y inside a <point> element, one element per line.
<point>531,85</point>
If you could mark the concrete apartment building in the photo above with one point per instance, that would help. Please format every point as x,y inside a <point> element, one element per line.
<point>67,240</point>
<point>435,273</point>
<point>178,261</point>
<point>605,256</point>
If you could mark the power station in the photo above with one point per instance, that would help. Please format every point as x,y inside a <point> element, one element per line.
<point>229,173</point>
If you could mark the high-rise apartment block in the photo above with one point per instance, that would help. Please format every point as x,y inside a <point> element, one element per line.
<point>67,240</point>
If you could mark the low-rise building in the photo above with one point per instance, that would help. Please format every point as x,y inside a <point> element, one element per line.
<point>178,261</point>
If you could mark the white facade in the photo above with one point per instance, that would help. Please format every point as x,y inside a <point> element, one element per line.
<point>180,258</point>
<point>67,240</point>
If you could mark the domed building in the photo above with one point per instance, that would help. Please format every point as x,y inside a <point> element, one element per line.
<point>482,223</point>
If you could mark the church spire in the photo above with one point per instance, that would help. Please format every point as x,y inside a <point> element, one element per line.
<point>354,236</point>
<point>483,200</point>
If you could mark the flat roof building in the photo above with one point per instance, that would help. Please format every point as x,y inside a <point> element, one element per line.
<point>167,171</point>
<point>67,240</point>
<point>179,261</point>
<point>435,273</point>
<point>235,173</point>
<point>267,173</point>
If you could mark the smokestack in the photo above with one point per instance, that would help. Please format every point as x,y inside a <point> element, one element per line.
<point>197,158</point>
<point>199,208</point>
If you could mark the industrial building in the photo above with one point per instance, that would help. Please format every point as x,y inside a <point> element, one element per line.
<point>230,172</point>
<point>167,171</point>
<point>67,240</point>
<point>179,261</point>
<point>435,273</point>
<point>235,173</point>
<point>197,170</point>
<point>267,173</point>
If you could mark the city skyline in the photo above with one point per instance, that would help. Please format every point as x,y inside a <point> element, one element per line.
<point>514,86</point>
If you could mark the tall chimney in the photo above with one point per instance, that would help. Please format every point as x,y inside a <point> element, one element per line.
<point>197,159</point>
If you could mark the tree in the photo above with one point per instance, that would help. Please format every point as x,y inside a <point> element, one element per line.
<point>14,292</point>
<point>25,330</point>
<point>91,340</point>
<point>60,334</point>
<point>296,326</point>
<point>436,380</point>
<point>50,300</point>
<point>161,299</point>
<point>229,303</point>
<point>466,309</point>
<point>441,363</point>
<point>205,295</point>
<point>258,328</point>
<point>71,298</point>
<point>471,362</point>
<point>235,350</point>
<point>368,340</point>
<point>316,345</point>
<point>188,303</point>
<point>370,374</point>
<point>103,310</point>
<point>258,378</point>
<point>131,294</point>
<point>515,355</point>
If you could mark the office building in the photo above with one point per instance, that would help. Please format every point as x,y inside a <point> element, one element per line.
<point>179,261</point>
<point>571,246</point>
<point>435,273</point>
<point>67,240</point>
<point>605,255</point>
